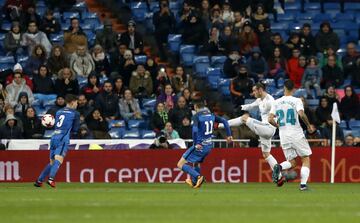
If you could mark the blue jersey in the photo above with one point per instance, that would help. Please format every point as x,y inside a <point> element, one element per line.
<point>67,120</point>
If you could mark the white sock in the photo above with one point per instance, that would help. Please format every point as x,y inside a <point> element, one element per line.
<point>271,161</point>
<point>304,172</point>
<point>235,121</point>
<point>285,165</point>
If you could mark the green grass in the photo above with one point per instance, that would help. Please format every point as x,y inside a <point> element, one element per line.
<point>253,202</point>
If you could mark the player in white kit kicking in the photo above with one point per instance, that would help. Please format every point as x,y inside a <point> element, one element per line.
<point>287,110</point>
<point>263,129</point>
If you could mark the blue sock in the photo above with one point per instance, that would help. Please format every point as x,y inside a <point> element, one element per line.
<point>188,169</point>
<point>44,173</point>
<point>194,179</point>
<point>54,169</point>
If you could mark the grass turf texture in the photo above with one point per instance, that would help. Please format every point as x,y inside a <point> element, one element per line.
<point>253,202</point>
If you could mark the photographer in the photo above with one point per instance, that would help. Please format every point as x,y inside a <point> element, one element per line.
<point>160,142</point>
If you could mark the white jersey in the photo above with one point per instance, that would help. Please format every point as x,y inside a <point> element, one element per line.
<point>286,110</point>
<point>264,107</point>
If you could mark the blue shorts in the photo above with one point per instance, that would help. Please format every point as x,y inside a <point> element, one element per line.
<point>193,155</point>
<point>58,147</point>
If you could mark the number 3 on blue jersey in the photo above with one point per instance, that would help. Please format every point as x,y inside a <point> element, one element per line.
<point>290,117</point>
<point>61,121</point>
<point>209,127</point>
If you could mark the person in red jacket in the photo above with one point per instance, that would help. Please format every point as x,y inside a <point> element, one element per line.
<point>18,69</point>
<point>296,67</point>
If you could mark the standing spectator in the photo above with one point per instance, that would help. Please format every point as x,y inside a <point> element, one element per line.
<point>22,105</point>
<point>66,83</point>
<point>119,87</point>
<point>132,39</point>
<point>216,19</point>
<point>164,22</point>
<point>260,16</point>
<point>140,83</point>
<point>57,60</point>
<point>127,67</point>
<point>205,13</point>
<point>107,38</point>
<point>232,63</point>
<point>34,37</point>
<point>81,62</point>
<point>170,132</point>
<point>102,66</point>
<point>247,39</point>
<point>185,129</point>
<point>129,106</point>
<point>239,21</point>
<point>349,60</point>
<point>277,66</point>
<point>84,108</point>
<point>97,123</point>
<point>180,111</point>
<point>227,39</point>
<point>323,111</point>
<point>227,14</point>
<point>30,15</point>
<point>159,118</point>
<point>37,58</point>
<point>18,69</point>
<point>241,87</point>
<point>332,73</point>
<point>184,15</point>
<point>15,88</point>
<point>15,8</point>
<point>349,105</point>
<point>117,60</point>
<point>180,80</point>
<point>107,102</point>
<point>167,97</point>
<point>326,37</point>
<point>12,40</point>
<point>194,31</point>
<point>264,34</point>
<point>296,67</point>
<point>307,41</point>
<point>10,130</point>
<point>44,88</point>
<point>212,45</point>
<point>32,125</point>
<point>74,37</point>
<point>312,77</point>
<point>49,24</point>
<point>257,65</point>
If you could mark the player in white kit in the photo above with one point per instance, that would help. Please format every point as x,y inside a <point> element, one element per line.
<point>263,129</point>
<point>287,110</point>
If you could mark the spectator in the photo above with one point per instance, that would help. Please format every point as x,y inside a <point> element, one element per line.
<point>257,65</point>
<point>44,88</point>
<point>159,118</point>
<point>63,6</point>
<point>239,21</point>
<point>241,87</point>
<point>264,34</point>
<point>162,79</point>
<point>296,67</point>
<point>227,14</point>
<point>330,52</point>
<point>349,60</point>
<point>85,133</point>
<point>161,142</point>
<point>107,102</point>
<point>185,129</point>
<point>180,80</point>
<point>29,15</point>
<point>277,41</point>
<point>10,130</point>
<point>66,83</point>
<point>205,13</point>
<point>129,106</point>
<point>140,83</point>
<point>212,46</point>
<point>102,66</point>
<point>355,79</point>
<point>18,69</point>
<point>128,67</point>
<point>186,93</point>
<point>312,77</point>
<point>194,31</point>
<point>260,16</point>
<point>232,63</point>
<point>49,24</point>
<point>349,105</point>
<point>326,132</point>
<point>117,60</point>
<point>92,89</point>
<point>216,19</point>
<point>34,37</point>
<point>107,38</point>
<point>326,38</point>
<point>323,111</point>
<point>247,39</point>
<point>12,40</point>
<point>170,132</point>
<point>152,67</point>
<point>59,104</point>
<point>22,105</point>
<point>81,62</point>
<point>15,88</point>
<point>227,40</point>
<point>307,41</point>
<point>32,125</point>
<point>15,8</point>
<point>332,73</point>
<point>331,95</point>
<point>180,111</point>
<point>132,39</point>
<point>84,108</point>
<point>74,37</point>
<point>277,66</point>
<point>9,110</point>
<point>349,140</point>
<point>310,113</point>
<point>98,125</point>
<point>119,87</point>
<point>57,60</point>
<point>164,22</point>
<point>293,42</point>
<point>37,58</point>
<point>167,97</point>
<point>184,14</point>
<point>313,134</point>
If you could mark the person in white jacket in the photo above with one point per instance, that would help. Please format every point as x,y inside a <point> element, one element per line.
<point>81,62</point>
<point>17,86</point>
<point>34,37</point>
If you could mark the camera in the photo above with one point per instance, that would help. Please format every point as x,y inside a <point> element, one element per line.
<point>162,139</point>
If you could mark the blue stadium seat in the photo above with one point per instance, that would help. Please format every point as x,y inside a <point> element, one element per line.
<point>7,60</point>
<point>331,6</point>
<point>305,16</point>
<point>154,6</point>
<point>174,41</point>
<point>187,53</point>
<point>6,26</point>
<point>139,11</point>
<point>40,112</point>
<point>300,93</point>
<point>354,124</point>
<point>70,15</point>
<point>224,86</point>
<point>279,93</point>
<point>131,134</point>
<point>351,7</point>
<point>344,125</point>
<point>213,82</point>
<point>89,15</point>
<point>312,6</point>
<point>116,133</point>
<point>148,134</point>
<point>48,133</point>
<point>49,103</point>
<point>249,101</point>
<point>133,124</point>
<point>218,61</point>
<point>211,71</point>
<point>322,17</point>
<point>292,7</point>
<point>174,5</point>
<point>57,38</point>
<point>201,64</point>
<point>341,17</point>
<point>140,59</point>
<point>356,133</point>
<point>313,103</point>
<point>116,124</point>
<point>286,17</point>
<point>280,26</point>
<point>2,36</point>
<point>149,102</point>
<point>353,36</point>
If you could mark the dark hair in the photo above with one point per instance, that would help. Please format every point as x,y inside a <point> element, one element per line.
<point>259,85</point>
<point>307,25</point>
<point>289,85</point>
<point>199,103</point>
<point>70,98</point>
<point>108,82</point>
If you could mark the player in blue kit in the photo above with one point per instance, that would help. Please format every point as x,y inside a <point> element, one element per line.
<point>202,132</point>
<point>67,120</point>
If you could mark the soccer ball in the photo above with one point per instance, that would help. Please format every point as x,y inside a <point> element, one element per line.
<point>48,120</point>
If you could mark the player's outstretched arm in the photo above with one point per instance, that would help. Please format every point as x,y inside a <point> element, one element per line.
<point>250,106</point>
<point>272,121</point>
<point>304,117</point>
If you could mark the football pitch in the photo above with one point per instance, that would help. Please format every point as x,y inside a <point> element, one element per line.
<point>252,202</point>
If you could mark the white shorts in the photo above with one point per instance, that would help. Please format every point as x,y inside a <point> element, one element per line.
<point>297,148</point>
<point>264,130</point>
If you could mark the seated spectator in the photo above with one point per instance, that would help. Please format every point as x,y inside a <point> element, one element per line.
<point>264,34</point>
<point>323,112</point>
<point>102,66</point>
<point>66,83</point>
<point>18,69</point>
<point>10,130</point>
<point>59,104</point>
<point>167,97</point>
<point>313,134</point>
<point>159,118</point>
<point>74,37</point>
<point>180,111</point>
<point>239,21</point>
<point>312,77</point>
<point>32,125</point>
<point>12,40</point>
<point>227,14</point>
<point>84,133</point>
<point>228,40</point>
<point>81,62</point>
<point>204,13</point>
<point>33,37</point>
<point>107,38</point>
<point>49,24</point>
<point>186,93</point>
<point>107,102</point>
<point>84,108</point>
<point>241,87</point>
<point>57,60</point>
<point>98,125</point>
<point>22,105</point>
<point>293,42</point>
<point>326,37</point>
<point>277,66</point>
<point>349,60</point>
<point>37,58</point>
<point>331,95</point>
<point>296,67</point>
<point>170,132</point>
<point>194,30</point>
<point>349,140</point>
<point>185,129</point>
<point>29,15</point>
<point>277,41</point>
<point>330,52</point>
<point>216,19</point>
<point>9,110</point>
<point>212,46</point>
<point>232,63</point>
<point>128,67</point>
<point>140,83</point>
<point>349,105</point>
<point>247,39</point>
<point>152,67</point>
<point>307,40</point>
<point>129,106</point>
<point>180,80</point>
<point>326,132</point>
<point>132,39</point>
<point>332,74</point>
<point>15,88</point>
<point>257,65</point>
<point>260,16</point>
<point>44,88</point>
<point>92,88</point>
<point>119,87</point>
